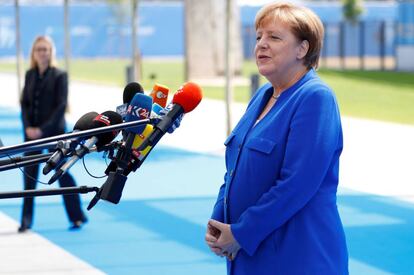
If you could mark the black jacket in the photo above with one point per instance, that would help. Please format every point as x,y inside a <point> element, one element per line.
<point>52,101</point>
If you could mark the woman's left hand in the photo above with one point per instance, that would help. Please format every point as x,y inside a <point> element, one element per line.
<point>226,240</point>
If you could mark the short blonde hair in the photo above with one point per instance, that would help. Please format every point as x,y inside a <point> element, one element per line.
<point>303,22</point>
<point>48,40</point>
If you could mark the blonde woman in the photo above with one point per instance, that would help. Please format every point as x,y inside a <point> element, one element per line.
<point>276,212</point>
<point>43,105</point>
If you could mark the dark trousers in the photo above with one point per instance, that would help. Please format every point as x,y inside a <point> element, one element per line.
<point>72,202</point>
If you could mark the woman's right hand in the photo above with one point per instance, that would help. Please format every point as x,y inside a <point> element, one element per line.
<point>33,132</point>
<point>225,240</point>
<point>211,238</point>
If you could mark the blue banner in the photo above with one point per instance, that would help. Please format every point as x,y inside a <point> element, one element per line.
<point>102,30</point>
<point>405,33</point>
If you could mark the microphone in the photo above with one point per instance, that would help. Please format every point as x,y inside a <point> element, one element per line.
<point>140,108</point>
<point>185,100</point>
<point>105,119</point>
<point>83,123</point>
<point>136,155</point>
<point>156,111</point>
<point>130,90</point>
<point>159,94</point>
<point>139,156</point>
<point>139,138</point>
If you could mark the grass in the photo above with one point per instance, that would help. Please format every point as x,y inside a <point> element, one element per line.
<point>387,96</point>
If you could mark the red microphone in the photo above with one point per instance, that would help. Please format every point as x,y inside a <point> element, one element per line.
<point>188,96</point>
<point>185,100</point>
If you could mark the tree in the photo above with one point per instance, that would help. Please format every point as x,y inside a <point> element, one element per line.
<point>352,9</point>
<point>205,38</point>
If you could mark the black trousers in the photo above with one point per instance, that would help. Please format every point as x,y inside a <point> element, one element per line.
<point>72,202</point>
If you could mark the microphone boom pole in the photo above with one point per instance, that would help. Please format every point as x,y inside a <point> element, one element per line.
<point>16,162</point>
<point>57,191</point>
<point>13,149</point>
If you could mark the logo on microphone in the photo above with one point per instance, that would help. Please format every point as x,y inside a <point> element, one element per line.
<point>180,90</point>
<point>122,110</point>
<point>161,95</point>
<point>102,118</point>
<point>139,112</point>
<point>136,153</point>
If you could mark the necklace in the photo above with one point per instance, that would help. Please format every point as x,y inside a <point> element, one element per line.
<point>275,97</point>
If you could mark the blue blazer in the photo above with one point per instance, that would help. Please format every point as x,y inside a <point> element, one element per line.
<point>279,191</point>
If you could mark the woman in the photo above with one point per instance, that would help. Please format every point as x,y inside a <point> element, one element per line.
<point>43,105</point>
<point>276,212</point>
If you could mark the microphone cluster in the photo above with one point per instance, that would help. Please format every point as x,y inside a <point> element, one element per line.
<point>136,143</point>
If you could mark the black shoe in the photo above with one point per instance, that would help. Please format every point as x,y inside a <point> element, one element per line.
<point>23,228</point>
<point>77,225</point>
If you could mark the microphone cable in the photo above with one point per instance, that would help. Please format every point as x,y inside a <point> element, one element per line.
<point>105,157</point>
<point>12,159</point>
<point>89,173</point>
<point>23,172</point>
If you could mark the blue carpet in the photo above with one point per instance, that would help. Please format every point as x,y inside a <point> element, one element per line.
<point>156,236</point>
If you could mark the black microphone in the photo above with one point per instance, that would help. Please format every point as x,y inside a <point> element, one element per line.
<point>130,91</point>
<point>105,119</point>
<point>140,108</point>
<point>83,123</point>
